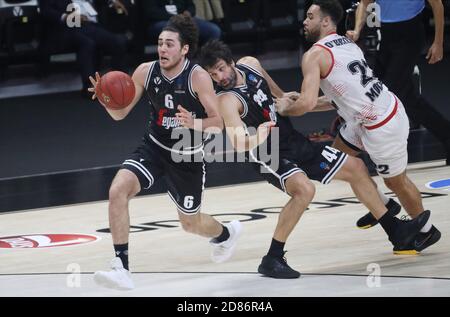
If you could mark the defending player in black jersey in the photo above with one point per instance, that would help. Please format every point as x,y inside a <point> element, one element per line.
<point>183,106</point>
<point>245,101</point>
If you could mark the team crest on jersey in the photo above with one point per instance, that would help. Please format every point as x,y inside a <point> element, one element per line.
<point>157,80</point>
<point>179,83</point>
<point>252,78</point>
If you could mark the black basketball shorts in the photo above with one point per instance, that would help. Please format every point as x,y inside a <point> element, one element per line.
<point>322,164</point>
<point>185,180</point>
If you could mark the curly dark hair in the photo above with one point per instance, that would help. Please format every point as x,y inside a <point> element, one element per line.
<point>212,52</point>
<point>187,30</point>
<point>332,8</point>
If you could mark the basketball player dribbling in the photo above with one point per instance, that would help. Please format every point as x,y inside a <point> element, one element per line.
<point>375,119</point>
<point>245,101</point>
<point>182,97</point>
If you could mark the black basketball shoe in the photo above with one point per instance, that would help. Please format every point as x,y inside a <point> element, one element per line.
<point>276,267</point>
<point>407,230</point>
<point>421,241</point>
<point>368,220</point>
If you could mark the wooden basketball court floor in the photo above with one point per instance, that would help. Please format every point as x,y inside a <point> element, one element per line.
<point>335,257</point>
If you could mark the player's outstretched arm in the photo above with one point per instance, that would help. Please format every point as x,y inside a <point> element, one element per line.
<point>307,100</point>
<point>323,104</point>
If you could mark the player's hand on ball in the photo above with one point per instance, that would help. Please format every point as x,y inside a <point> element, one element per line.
<point>95,85</point>
<point>185,117</point>
<point>115,90</point>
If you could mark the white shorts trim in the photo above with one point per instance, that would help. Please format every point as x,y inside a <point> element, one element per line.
<point>327,179</point>
<point>288,174</point>
<point>143,170</point>
<point>183,210</point>
<point>281,178</point>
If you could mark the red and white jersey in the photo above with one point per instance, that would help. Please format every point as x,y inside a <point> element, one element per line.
<point>357,94</point>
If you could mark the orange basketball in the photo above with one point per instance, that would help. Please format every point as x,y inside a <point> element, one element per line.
<point>116,90</point>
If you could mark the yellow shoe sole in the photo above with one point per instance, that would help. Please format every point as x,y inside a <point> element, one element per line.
<point>365,227</point>
<point>406,252</point>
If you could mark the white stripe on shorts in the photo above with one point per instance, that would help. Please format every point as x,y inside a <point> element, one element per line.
<point>143,170</point>
<point>183,210</point>
<point>335,169</point>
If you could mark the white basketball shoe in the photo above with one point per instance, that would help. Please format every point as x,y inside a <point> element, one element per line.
<point>222,251</point>
<point>118,278</point>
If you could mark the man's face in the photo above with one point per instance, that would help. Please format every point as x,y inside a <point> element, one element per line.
<point>223,74</point>
<point>312,24</point>
<point>169,50</point>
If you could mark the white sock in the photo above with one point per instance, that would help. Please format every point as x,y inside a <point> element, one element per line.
<point>383,197</point>
<point>427,226</point>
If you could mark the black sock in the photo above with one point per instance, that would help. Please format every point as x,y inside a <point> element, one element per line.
<point>121,251</point>
<point>223,236</point>
<point>389,224</point>
<point>276,248</point>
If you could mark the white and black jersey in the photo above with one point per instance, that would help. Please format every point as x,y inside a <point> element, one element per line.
<point>257,101</point>
<point>165,94</point>
<point>155,157</point>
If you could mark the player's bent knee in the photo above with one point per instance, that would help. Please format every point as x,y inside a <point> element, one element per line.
<point>356,167</point>
<point>300,187</point>
<point>116,192</point>
<point>125,185</point>
<point>352,171</point>
<point>309,190</point>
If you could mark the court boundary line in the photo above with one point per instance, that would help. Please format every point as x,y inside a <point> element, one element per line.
<point>237,272</point>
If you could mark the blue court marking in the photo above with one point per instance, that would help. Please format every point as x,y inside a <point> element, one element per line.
<point>439,184</point>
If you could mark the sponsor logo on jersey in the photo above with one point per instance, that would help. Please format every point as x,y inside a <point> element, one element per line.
<point>169,122</point>
<point>443,184</point>
<point>37,241</point>
<point>324,166</point>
